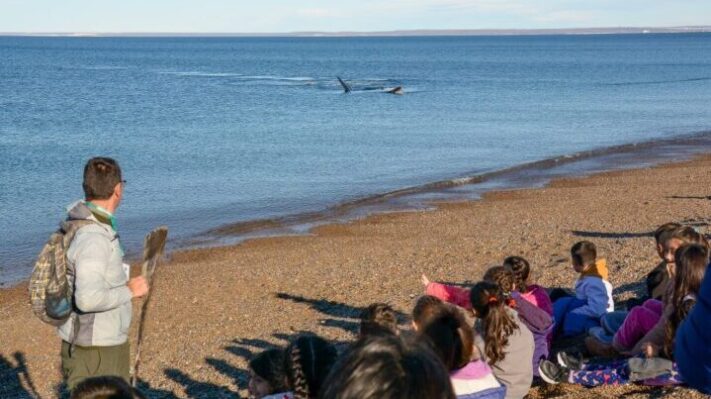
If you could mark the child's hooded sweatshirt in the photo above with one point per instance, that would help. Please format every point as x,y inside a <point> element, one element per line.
<point>594,288</point>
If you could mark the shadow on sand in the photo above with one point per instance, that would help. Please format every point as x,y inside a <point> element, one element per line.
<point>603,234</point>
<point>239,351</point>
<point>15,380</point>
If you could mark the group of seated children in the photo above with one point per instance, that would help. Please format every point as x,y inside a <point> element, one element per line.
<point>493,337</point>
<point>488,341</point>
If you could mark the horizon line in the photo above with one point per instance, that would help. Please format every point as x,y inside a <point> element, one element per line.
<point>395,33</point>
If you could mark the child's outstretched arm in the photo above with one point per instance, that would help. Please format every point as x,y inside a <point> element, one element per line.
<point>456,295</point>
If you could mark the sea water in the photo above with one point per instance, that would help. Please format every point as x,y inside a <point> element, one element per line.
<point>215,131</point>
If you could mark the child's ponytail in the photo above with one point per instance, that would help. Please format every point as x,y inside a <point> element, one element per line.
<point>488,302</point>
<point>505,279</point>
<point>299,383</point>
<point>308,361</point>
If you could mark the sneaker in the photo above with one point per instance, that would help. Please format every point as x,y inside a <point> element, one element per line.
<point>569,361</point>
<point>597,348</point>
<point>552,373</point>
<point>601,335</point>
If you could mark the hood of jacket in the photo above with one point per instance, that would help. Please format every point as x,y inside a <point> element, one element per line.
<point>80,211</point>
<point>599,269</point>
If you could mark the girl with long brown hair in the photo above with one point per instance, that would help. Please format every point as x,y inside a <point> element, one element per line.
<point>502,339</point>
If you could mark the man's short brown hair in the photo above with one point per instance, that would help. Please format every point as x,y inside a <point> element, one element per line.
<point>101,175</point>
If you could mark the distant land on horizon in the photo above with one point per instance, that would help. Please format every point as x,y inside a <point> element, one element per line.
<point>394,33</point>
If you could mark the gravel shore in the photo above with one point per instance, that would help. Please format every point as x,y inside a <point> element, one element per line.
<point>213,308</point>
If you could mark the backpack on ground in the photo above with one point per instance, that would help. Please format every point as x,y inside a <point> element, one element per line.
<point>50,291</point>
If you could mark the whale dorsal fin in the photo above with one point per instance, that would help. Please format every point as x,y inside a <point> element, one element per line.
<point>346,88</point>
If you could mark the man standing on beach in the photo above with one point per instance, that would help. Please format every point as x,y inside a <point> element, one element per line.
<point>95,337</point>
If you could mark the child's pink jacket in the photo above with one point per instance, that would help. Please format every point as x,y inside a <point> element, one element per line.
<point>450,293</point>
<point>460,296</point>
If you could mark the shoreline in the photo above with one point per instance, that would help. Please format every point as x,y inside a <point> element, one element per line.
<point>213,308</point>
<point>467,186</point>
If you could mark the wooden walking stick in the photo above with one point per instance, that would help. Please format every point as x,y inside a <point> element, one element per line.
<point>153,248</point>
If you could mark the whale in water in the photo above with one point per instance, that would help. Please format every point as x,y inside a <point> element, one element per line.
<point>395,90</point>
<point>347,88</point>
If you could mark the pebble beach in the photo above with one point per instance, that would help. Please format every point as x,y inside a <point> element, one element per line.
<point>213,308</point>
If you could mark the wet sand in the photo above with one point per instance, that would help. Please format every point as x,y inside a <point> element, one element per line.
<point>213,308</point>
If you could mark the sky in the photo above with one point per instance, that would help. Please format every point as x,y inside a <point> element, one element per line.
<point>262,16</point>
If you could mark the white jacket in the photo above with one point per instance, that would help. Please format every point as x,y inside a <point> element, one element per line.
<point>102,301</point>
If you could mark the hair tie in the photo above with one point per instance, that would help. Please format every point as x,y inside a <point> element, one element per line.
<point>511,303</point>
<point>493,299</point>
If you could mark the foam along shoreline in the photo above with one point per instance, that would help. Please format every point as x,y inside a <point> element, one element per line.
<point>467,188</point>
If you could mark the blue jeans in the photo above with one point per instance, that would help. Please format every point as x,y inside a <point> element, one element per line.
<point>571,323</point>
<point>612,321</point>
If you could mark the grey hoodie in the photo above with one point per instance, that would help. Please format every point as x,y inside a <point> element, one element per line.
<point>102,301</point>
<point>514,371</point>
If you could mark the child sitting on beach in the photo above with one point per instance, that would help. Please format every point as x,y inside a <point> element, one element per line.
<point>267,378</point>
<point>536,319</point>
<point>692,263</point>
<point>383,366</point>
<point>661,276</point>
<point>502,339</point>
<point>593,293</point>
<point>644,324</point>
<point>444,328</point>
<point>657,282</point>
<point>308,360</point>
<point>692,351</point>
<point>533,293</point>
<point>378,319</point>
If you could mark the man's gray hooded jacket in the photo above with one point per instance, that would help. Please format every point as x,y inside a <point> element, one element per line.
<point>101,298</point>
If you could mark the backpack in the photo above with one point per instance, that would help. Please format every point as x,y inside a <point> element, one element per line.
<point>50,291</point>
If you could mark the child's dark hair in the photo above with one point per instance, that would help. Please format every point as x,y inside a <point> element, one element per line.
<point>269,365</point>
<point>450,336</point>
<point>424,308</point>
<point>105,387</point>
<point>378,318</point>
<point>663,232</point>
<point>489,303</point>
<point>691,263</point>
<point>307,361</point>
<point>521,270</point>
<point>387,367</point>
<point>583,253</point>
<point>688,235</point>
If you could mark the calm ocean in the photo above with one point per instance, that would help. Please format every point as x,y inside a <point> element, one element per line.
<point>216,131</point>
